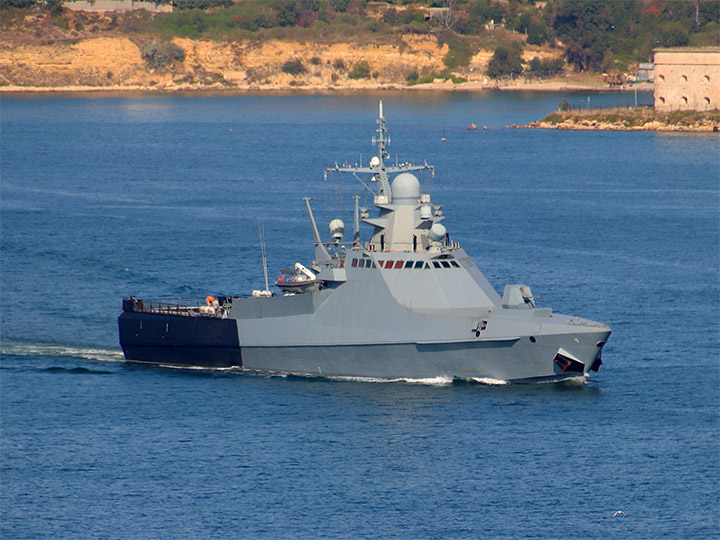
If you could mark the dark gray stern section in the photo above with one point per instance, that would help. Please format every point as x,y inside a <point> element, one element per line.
<point>179,340</point>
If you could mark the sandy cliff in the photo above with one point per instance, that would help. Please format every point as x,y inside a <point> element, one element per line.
<point>117,62</point>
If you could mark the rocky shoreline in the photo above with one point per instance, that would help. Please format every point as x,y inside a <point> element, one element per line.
<point>552,85</point>
<point>631,119</point>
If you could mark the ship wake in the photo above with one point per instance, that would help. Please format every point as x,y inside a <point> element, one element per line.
<point>99,354</point>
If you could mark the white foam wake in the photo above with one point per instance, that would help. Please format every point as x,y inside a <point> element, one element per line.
<point>488,381</point>
<point>40,349</point>
<point>430,381</point>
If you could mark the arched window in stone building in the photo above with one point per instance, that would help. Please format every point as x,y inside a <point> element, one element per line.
<point>684,78</point>
<point>684,101</point>
<point>706,102</point>
<point>706,78</point>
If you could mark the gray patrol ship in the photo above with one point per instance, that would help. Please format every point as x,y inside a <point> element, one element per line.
<point>407,304</point>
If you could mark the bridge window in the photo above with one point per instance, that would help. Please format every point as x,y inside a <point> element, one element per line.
<point>409,264</point>
<point>399,264</point>
<point>436,264</point>
<point>388,264</point>
<point>454,264</point>
<point>418,264</point>
<point>445,264</point>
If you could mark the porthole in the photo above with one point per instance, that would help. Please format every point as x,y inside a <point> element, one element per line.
<point>600,344</point>
<point>532,339</point>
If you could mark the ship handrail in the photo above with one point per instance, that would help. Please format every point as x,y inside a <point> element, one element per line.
<point>195,307</point>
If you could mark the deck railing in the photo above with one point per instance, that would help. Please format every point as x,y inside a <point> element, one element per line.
<point>195,307</point>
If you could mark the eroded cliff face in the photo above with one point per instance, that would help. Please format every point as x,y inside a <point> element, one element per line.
<point>117,62</point>
<point>94,62</point>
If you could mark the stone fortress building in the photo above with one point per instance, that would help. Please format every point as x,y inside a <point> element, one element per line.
<point>687,79</point>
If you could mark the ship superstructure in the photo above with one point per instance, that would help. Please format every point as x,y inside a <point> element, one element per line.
<point>409,303</point>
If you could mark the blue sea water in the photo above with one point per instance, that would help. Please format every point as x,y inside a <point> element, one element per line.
<point>104,197</point>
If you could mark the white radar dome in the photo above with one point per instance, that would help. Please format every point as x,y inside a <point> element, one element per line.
<point>437,232</point>
<point>337,228</point>
<point>375,161</point>
<point>405,189</point>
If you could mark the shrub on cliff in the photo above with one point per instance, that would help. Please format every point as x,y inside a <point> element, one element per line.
<point>158,55</point>
<point>361,70</point>
<point>293,67</point>
<point>17,3</point>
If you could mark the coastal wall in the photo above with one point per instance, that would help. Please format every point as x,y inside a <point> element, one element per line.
<point>687,79</point>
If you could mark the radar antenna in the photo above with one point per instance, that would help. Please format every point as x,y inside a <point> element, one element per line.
<point>377,166</point>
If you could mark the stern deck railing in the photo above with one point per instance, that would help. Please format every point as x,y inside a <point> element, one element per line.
<point>184,307</point>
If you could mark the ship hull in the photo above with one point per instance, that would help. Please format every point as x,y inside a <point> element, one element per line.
<point>214,343</point>
<point>513,360</point>
<point>179,340</point>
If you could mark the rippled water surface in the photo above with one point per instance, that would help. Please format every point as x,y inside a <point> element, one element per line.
<point>103,197</point>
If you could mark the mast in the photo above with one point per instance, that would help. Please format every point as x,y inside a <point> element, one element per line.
<point>377,166</point>
<point>381,140</point>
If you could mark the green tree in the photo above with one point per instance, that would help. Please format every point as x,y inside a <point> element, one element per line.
<point>287,12</point>
<point>577,56</point>
<point>480,13</point>
<point>674,35</point>
<point>459,54</point>
<point>538,33</point>
<point>505,61</point>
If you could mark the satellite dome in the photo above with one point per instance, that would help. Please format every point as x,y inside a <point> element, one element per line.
<point>337,228</point>
<point>405,189</point>
<point>437,232</point>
